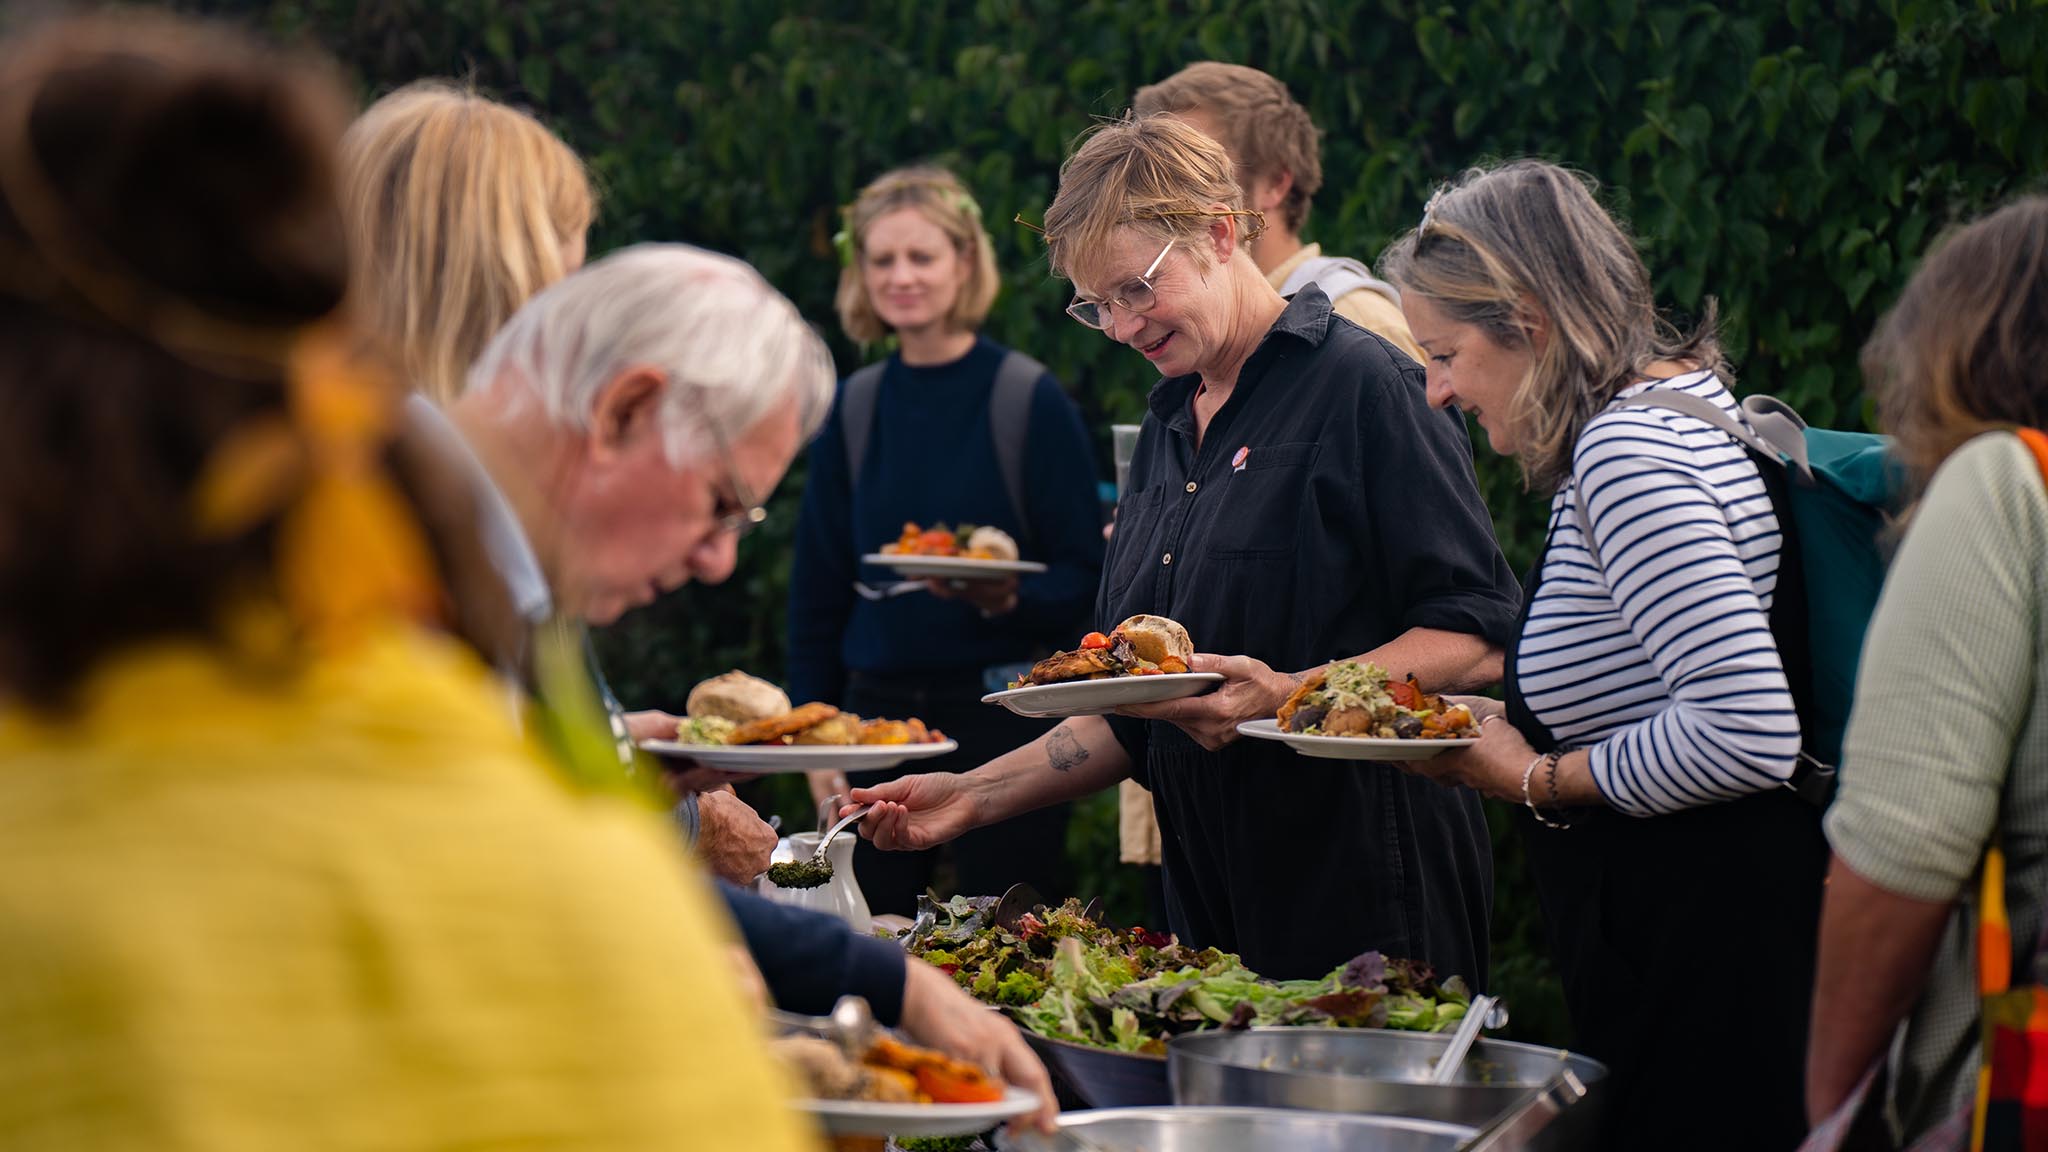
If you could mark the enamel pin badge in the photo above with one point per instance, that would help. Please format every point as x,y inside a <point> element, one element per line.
<point>1237,461</point>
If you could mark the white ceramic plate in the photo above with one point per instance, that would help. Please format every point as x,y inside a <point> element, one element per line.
<point>861,1118</point>
<point>1101,697</point>
<point>1351,747</point>
<point>766,759</point>
<point>953,567</point>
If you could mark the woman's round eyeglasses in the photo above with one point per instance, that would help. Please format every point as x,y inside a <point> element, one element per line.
<point>1135,296</point>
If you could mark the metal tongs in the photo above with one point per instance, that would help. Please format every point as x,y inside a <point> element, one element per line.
<point>1516,1127</point>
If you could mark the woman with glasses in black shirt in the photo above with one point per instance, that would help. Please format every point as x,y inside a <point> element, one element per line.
<point>1294,500</point>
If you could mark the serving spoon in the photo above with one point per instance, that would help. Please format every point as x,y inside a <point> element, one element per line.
<point>845,822</point>
<point>825,842</point>
<point>1480,1013</point>
<point>851,1025</point>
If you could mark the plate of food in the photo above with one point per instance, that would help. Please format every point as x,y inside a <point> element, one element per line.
<point>1355,711</point>
<point>1142,661</point>
<point>741,723</point>
<point>964,553</point>
<point>898,1089</point>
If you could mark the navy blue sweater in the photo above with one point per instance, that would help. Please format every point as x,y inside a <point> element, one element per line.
<point>931,459</point>
<point>809,960</point>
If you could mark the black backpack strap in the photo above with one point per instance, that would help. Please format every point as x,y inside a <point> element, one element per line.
<point>1009,425</point>
<point>857,416</point>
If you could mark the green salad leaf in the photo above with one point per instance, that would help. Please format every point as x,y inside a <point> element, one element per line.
<point>1067,977</point>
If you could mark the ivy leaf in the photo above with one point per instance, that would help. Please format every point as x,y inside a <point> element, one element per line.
<point>1466,118</point>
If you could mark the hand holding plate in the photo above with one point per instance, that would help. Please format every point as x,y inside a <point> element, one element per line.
<point>1493,767</point>
<point>732,839</point>
<point>1250,691</point>
<point>993,597</point>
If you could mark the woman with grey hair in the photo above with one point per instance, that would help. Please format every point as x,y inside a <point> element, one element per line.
<point>1650,722</point>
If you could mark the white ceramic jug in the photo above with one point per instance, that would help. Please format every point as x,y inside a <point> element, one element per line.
<point>839,896</point>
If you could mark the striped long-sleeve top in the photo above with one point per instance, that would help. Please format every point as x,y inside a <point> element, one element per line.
<point>1657,653</point>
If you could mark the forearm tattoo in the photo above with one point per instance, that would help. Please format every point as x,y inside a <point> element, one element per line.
<point>1063,749</point>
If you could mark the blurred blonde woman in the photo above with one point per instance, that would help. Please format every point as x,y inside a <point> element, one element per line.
<point>459,210</point>
<point>950,428</point>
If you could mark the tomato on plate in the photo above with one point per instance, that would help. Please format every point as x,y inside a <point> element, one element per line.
<point>1094,641</point>
<point>1405,693</point>
<point>950,1086</point>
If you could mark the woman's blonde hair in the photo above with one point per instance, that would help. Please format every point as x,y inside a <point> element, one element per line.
<point>1155,174</point>
<point>1962,350</point>
<point>459,210</point>
<point>943,200</point>
<point>1524,247</point>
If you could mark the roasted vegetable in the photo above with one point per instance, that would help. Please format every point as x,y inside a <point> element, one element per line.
<point>1350,698</point>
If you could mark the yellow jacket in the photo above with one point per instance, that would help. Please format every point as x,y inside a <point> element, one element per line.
<point>349,909</point>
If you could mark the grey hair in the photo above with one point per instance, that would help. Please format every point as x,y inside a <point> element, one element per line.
<point>1523,244</point>
<point>732,348</point>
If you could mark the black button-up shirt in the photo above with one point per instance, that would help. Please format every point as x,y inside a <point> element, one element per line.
<point>1328,510</point>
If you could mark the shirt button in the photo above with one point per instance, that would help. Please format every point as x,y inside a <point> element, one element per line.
<point>1192,485</point>
<point>1166,559</point>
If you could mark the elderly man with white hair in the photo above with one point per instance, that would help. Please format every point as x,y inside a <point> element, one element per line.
<point>631,418</point>
<point>633,413</point>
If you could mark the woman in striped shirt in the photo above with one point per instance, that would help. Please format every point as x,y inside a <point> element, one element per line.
<point>1649,724</point>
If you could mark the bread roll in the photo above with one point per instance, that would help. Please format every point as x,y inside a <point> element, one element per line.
<point>737,697</point>
<point>822,1066</point>
<point>1155,638</point>
<point>994,541</point>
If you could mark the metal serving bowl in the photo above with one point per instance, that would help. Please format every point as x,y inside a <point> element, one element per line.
<point>1101,1078</point>
<point>1238,1130</point>
<point>1363,1070</point>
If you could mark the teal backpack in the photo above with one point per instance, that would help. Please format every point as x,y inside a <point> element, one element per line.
<point>1835,493</point>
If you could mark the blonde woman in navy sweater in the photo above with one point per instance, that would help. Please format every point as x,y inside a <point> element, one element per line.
<point>1649,727</point>
<point>931,427</point>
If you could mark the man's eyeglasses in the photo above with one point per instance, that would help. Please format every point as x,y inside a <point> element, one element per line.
<point>742,514</point>
<point>1135,296</point>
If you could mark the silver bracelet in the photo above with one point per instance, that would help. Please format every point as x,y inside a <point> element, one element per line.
<point>1529,774</point>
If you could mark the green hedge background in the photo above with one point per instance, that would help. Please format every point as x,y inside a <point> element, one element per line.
<point>1792,158</point>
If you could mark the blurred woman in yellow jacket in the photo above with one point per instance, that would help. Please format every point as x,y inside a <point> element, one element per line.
<point>276,868</point>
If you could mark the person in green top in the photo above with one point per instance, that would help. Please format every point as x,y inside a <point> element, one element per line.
<point>1947,750</point>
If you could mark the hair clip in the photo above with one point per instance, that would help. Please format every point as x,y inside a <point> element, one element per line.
<point>1429,208</point>
<point>1019,219</point>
